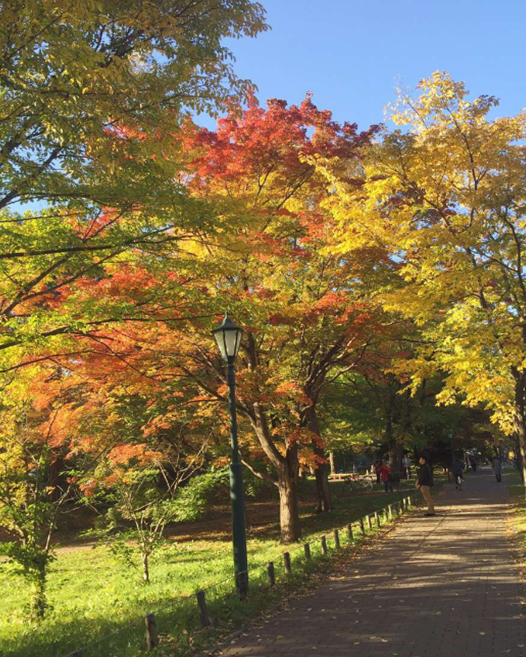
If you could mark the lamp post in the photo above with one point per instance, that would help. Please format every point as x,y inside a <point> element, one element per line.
<point>228,338</point>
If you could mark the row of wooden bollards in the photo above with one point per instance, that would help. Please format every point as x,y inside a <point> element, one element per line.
<point>389,513</point>
<point>152,637</point>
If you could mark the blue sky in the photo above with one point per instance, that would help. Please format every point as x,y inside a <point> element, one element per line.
<point>352,55</point>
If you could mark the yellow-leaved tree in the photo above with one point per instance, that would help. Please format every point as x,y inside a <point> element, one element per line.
<point>445,194</point>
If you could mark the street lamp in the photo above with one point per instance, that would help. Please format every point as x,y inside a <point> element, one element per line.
<point>228,338</point>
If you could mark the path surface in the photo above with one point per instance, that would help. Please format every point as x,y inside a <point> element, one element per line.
<point>435,587</point>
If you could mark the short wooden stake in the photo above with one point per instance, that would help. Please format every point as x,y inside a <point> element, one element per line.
<point>286,563</point>
<point>349,532</point>
<point>306,548</point>
<point>336,539</point>
<point>377,518</point>
<point>362,527</point>
<point>389,511</point>
<point>324,546</point>
<point>271,573</point>
<point>370,522</point>
<point>152,639</point>
<point>204,616</point>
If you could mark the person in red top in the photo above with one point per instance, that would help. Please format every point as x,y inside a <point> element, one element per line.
<point>378,471</point>
<point>385,474</point>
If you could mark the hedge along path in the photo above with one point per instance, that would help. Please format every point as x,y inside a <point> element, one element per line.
<point>322,544</point>
<point>436,587</point>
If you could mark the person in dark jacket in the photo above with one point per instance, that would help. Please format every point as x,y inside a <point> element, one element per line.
<point>457,470</point>
<point>425,483</point>
<point>497,469</point>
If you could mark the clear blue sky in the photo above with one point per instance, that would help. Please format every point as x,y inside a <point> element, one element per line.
<point>352,54</point>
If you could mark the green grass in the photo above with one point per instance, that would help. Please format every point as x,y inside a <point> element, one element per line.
<point>93,595</point>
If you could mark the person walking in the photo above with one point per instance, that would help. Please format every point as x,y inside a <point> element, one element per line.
<point>385,474</point>
<point>425,483</point>
<point>497,469</point>
<point>457,470</point>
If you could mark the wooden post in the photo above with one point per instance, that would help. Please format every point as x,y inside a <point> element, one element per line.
<point>271,573</point>
<point>152,639</point>
<point>204,616</point>
<point>390,511</point>
<point>324,546</point>
<point>286,563</point>
<point>370,522</point>
<point>377,518</point>
<point>336,539</point>
<point>349,532</point>
<point>306,548</point>
<point>362,527</point>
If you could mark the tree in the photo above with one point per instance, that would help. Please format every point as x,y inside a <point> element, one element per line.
<point>304,316</point>
<point>92,98</point>
<point>143,490</point>
<point>445,196</point>
<point>34,486</point>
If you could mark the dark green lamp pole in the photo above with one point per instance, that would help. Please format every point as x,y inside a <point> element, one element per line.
<point>228,338</point>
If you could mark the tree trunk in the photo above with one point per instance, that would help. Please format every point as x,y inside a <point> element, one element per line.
<point>38,604</point>
<point>397,456</point>
<point>290,530</point>
<point>518,453</point>
<point>520,419</point>
<point>323,491</point>
<point>331,461</point>
<point>146,567</point>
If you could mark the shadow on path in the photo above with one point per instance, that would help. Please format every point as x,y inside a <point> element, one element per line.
<point>446,586</point>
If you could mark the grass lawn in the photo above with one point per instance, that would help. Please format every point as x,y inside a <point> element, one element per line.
<point>92,594</point>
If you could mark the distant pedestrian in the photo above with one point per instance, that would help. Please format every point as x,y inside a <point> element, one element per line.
<point>497,469</point>
<point>425,483</point>
<point>406,462</point>
<point>473,463</point>
<point>457,470</point>
<point>385,475</point>
<point>377,469</point>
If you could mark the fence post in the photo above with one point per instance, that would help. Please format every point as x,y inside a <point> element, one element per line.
<point>152,639</point>
<point>204,616</point>
<point>306,548</point>
<point>370,522</point>
<point>336,539</point>
<point>324,546</point>
<point>286,563</point>
<point>362,527</point>
<point>349,532</point>
<point>377,518</point>
<point>271,573</point>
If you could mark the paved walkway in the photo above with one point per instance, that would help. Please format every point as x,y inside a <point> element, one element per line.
<point>436,587</point>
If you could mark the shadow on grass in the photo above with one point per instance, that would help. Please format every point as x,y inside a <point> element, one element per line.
<point>177,619</point>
